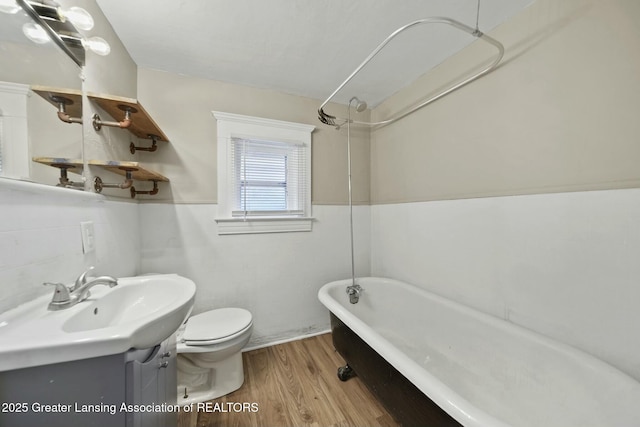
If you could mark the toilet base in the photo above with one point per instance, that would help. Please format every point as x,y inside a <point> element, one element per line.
<point>202,384</point>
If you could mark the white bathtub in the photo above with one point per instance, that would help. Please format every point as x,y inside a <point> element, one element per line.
<point>481,370</point>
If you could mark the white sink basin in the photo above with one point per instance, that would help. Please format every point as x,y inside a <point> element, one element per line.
<point>138,313</point>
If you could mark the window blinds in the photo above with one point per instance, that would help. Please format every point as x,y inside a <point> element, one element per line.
<point>269,177</point>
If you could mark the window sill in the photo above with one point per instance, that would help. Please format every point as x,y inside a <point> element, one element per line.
<point>263,225</point>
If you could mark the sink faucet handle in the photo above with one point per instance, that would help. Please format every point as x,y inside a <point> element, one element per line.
<point>82,279</point>
<point>61,293</point>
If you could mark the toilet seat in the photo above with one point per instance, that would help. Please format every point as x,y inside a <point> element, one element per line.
<point>196,343</point>
<point>216,326</point>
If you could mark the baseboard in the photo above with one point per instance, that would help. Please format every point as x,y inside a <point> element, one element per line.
<point>285,340</point>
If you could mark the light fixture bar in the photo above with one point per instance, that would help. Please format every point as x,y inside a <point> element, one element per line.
<point>77,55</point>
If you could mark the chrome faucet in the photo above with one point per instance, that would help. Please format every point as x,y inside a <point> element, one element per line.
<point>82,279</point>
<point>83,292</point>
<point>65,297</point>
<point>353,291</point>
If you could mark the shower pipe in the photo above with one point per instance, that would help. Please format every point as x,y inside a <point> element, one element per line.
<point>354,289</point>
<point>338,121</point>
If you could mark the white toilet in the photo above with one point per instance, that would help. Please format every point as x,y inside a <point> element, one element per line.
<point>209,354</point>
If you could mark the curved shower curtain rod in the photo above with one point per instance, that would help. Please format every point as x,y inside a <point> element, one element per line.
<point>338,121</point>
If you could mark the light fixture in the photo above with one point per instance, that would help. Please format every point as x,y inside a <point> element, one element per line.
<point>9,6</point>
<point>35,33</point>
<point>60,25</point>
<point>97,45</point>
<point>79,17</point>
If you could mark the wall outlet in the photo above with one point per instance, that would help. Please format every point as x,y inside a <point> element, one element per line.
<point>88,237</point>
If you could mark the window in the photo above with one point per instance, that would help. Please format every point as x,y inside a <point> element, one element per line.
<point>264,175</point>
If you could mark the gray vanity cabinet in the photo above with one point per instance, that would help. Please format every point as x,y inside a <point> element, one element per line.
<point>152,379</point>
<point>107,391</point>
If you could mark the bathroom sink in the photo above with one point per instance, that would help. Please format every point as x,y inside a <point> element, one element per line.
<point>140,312</point>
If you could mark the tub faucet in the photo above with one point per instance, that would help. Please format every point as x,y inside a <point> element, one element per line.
<point>65,297</point>
<point>354,293</point>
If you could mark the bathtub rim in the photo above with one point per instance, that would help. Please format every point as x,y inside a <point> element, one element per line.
<point>454,404</point>
<point>451,402</point>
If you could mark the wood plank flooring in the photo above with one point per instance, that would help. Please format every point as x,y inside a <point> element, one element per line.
<point>295,384</point>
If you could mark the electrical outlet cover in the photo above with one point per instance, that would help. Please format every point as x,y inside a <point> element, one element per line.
<point>88,237</point>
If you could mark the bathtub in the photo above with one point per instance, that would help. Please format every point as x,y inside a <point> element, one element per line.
<point>478,369</point>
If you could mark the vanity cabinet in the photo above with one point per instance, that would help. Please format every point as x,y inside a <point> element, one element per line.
<point>152,379</point>
<point>120,390</point>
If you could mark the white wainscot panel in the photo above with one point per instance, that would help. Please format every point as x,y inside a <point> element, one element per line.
<point>275,276</point>
<point>40,238</point>
<point>563,264</point>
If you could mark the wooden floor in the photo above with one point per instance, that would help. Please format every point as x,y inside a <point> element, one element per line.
<point>295,384</point>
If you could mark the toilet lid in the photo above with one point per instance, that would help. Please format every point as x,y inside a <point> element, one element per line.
<point>216,324</point>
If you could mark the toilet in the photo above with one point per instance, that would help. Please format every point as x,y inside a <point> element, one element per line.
<point>209,348</point>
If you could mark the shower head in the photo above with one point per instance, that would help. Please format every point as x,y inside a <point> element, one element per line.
<point>360,105</point>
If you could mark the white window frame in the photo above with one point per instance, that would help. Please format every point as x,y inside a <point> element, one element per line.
<point>247,127</point>
<point>14,137</point>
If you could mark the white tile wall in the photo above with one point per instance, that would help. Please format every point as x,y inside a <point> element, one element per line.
<point>275,276</point>
<point>562,264</point>
<point>40,238</point>
<point>565,265</point>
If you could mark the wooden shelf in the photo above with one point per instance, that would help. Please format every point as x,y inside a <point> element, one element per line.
<point>139,172</point>
<point>65,165</point>
<point>129,114</point>
<point>73,108</point>
<point>142,125</point>
<point>72,165</point>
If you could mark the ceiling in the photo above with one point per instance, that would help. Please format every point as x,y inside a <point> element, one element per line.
<point>301,47</point>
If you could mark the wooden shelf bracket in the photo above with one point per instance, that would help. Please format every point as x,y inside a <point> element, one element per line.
<point>99,185</point>
<point>154,146</point>
<point>67,101</point>
<point>123,124</point>
<point>151,192</point>
<point>132,171</point>
<point>65,165</point>
<point>62,103</point>
<point>64,180</point>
